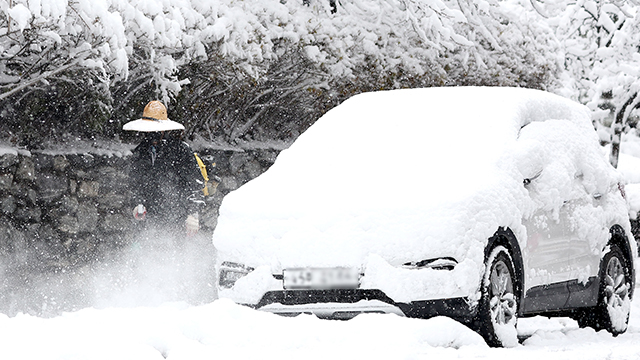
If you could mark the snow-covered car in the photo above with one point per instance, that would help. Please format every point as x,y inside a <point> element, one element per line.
<point>481,204</point>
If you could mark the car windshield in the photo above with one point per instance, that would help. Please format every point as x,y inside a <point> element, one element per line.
<point>442,142</point>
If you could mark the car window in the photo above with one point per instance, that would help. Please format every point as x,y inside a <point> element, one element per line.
<point>551,161</point>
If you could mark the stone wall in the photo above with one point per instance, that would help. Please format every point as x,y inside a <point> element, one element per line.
<point>62,210</point>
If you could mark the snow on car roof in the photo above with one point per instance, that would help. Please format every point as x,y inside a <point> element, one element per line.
<point>385,169</point>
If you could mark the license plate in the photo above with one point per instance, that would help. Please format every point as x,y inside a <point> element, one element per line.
<point>321,278</point>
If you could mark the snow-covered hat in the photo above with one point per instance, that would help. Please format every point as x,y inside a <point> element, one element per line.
<point>154,118</point>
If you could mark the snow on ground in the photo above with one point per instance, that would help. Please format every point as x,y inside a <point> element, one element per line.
<point>224,330</point>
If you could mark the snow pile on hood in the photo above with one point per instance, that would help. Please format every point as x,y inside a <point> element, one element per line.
<point>406,174</point>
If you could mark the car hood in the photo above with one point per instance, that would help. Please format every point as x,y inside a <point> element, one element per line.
<point>332,234</point>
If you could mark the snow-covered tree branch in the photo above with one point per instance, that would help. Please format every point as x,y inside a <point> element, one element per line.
<point>602,61</point>
<point>121,53</point>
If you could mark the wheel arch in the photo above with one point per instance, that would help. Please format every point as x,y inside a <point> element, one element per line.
<point>619,237</point>
<point>505,237</point>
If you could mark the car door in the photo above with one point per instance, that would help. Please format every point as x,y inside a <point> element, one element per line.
<point>546,260</point>
<point>586,243</point>
<point>584,256</point>
<point>556,191</point>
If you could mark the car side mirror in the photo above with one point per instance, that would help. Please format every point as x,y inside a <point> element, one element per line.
<point>529,155</point>
<point>528,180</point>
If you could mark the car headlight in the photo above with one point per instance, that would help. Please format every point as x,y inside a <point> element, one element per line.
<point>444,263</point>
<point>231,272</point>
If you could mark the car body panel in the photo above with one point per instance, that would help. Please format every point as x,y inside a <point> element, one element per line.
<point>508,166</point>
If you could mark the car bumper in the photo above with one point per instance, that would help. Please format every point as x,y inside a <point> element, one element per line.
<point>347,303</point>
<point>246,285</point>
<point>382,288</point>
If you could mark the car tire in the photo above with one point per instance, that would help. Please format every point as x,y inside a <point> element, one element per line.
<point>614,301</point>
<point>497,314</point>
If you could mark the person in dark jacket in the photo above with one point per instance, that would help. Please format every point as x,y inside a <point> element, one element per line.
<point>165,179</point>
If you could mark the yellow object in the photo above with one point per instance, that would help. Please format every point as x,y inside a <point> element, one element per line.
<point>203,170</point>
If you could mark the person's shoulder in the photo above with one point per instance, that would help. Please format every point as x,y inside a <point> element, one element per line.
<point>180,146</point>
<point>144,144</point>
<point>186,149</point>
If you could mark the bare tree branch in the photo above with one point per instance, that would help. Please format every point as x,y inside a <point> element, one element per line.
<point>39,78</point>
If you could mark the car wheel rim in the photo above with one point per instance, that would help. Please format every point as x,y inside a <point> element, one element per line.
<point>502,300</point>
<point>616,288</point>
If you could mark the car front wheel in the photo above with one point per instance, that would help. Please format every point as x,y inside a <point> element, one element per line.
<point>614,302</point>
<point>498,308</point>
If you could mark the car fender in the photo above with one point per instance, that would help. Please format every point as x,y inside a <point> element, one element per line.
<point>505,237</point>
<point>619,237</point>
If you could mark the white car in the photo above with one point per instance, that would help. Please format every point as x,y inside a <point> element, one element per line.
<point>481,204</point>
